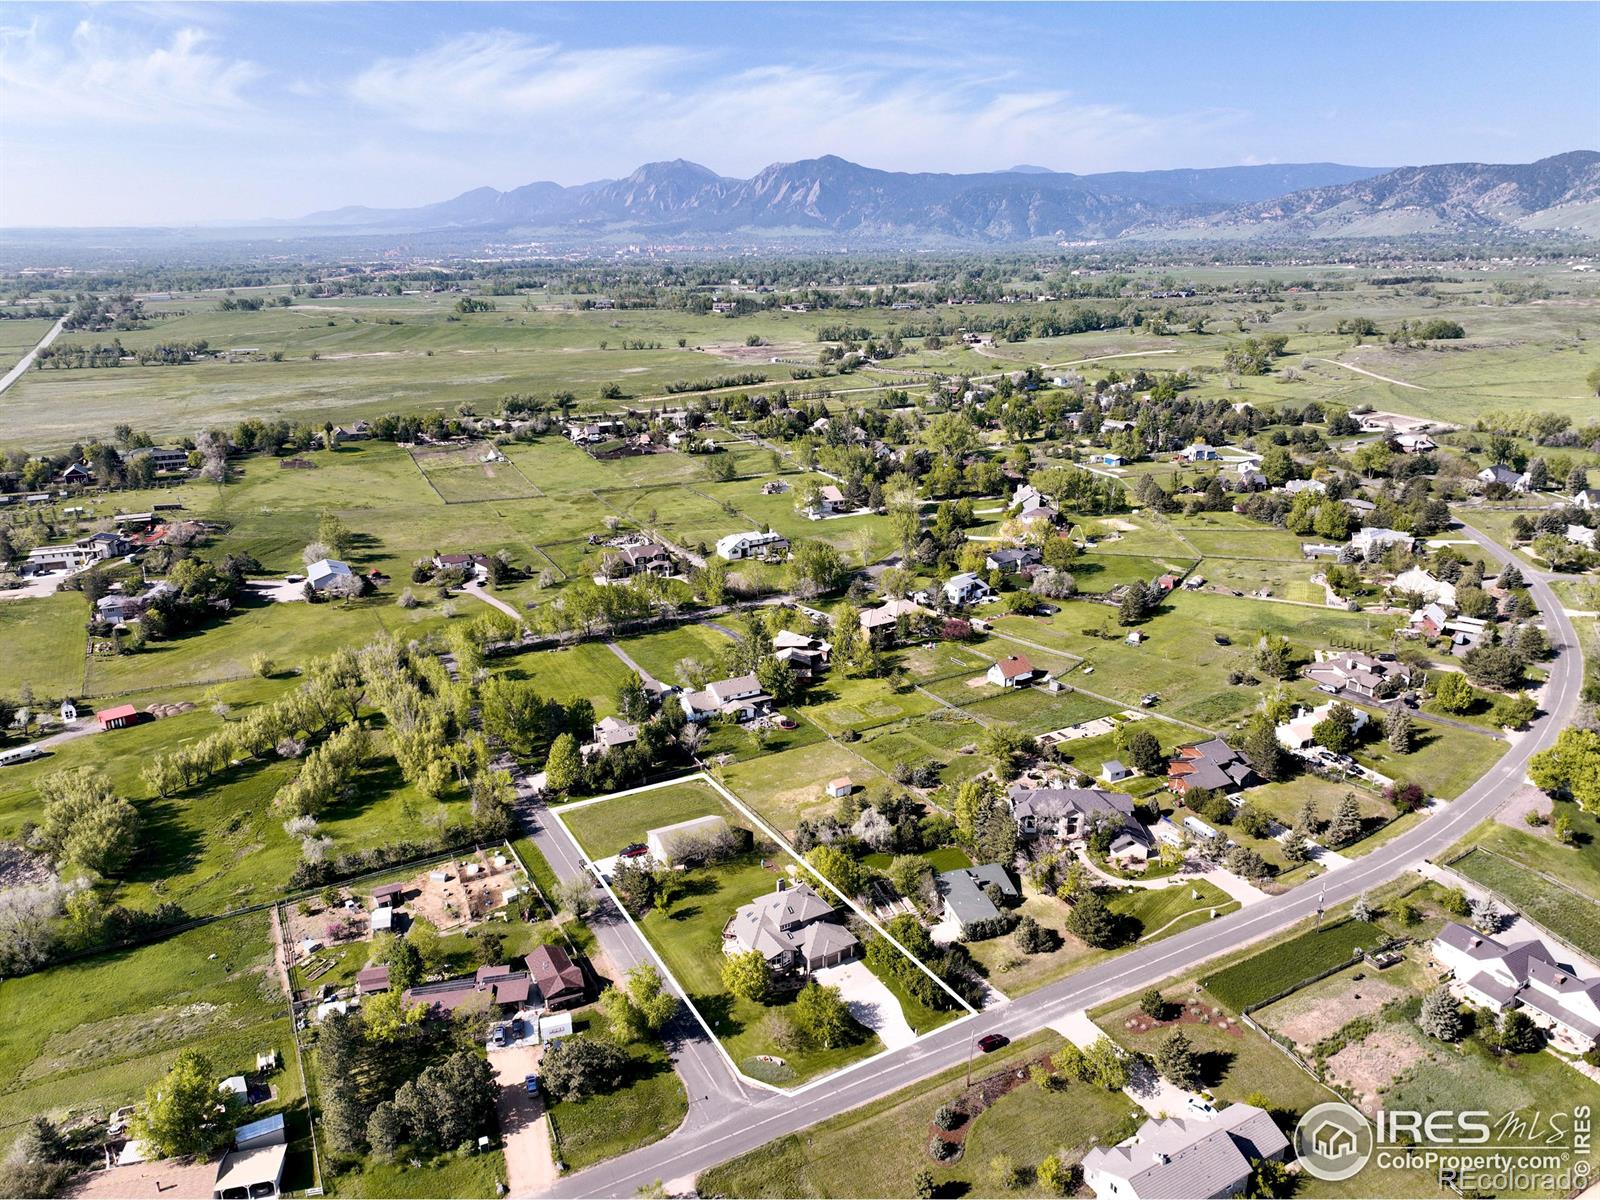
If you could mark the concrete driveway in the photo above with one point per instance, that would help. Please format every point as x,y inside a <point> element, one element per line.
<point>870,1001</point>
<point>530,1168</point>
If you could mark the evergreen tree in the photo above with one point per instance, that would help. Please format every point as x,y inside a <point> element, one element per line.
<point>1398,729</point>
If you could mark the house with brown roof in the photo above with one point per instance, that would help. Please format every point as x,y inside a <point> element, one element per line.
<point>1011,672</point>
<point>560,980</point>
<point>372,979</point>
<point>1360,674</point>
<point>504,988</point>
<point>1211,764</point>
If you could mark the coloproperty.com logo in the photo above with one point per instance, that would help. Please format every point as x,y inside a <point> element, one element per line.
<point>1529,1152</point>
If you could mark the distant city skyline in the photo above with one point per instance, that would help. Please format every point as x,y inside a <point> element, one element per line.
<point>173,113</point>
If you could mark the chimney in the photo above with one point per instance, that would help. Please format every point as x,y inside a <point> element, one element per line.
<point>1476,942</point>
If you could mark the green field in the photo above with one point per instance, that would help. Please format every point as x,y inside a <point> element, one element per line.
<point>1289,962</point>
<point>89,1036</point>
<point>605,826</point>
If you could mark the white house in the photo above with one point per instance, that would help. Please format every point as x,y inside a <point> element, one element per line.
<point>1587,499</point>
<point>830,500</point>
<point>1199,452</point>
<point>1296,733</point>
<point>1581,535</point>
<point>1505,476</point>
<point>1421,583</point>
<point>1525,976</point>
<point>741,698</point>
<point>328,573</point>
<point>1011,672</point>
<point>665,843</point>
<point>965,588</point>
<point>1188,1157</point>
<point>737,546</point>
<point>1372,540</point>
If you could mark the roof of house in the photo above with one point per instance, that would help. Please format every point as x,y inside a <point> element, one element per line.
<point>613,731</point>
<point>1210,764</point>
<point>1015,667</point>
<point>1182,1157</point>
<point>1051,804</point>
<point>245,1169</point>
<point>259,1129</point>
<point>965,895</point>
<point>775,923</point>
<point>326,568</point>
<point>553,971</point>
<point>120,713</point>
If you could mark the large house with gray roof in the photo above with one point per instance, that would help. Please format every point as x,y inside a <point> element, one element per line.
<point>1186,1158</point>
<point>1526,976</point>
<point>1211,764</point>
<point>794,930</point>
<point>1070,814</point>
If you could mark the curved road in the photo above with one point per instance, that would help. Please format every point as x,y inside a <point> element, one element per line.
<point>715,1136</point>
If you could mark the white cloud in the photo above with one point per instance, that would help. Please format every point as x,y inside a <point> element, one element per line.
<point>494,76</point>
<point>106,75</point>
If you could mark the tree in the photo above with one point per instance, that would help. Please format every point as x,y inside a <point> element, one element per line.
<point>838,868</point>
<point>1032,937</point>
<point>1178,1063</point>
<point>386,1016</point>
<point>1144,751</point>
<point>1361,910</point>
<point>1104,1066</point>
<point>1091,922</point>
<point>423,935</point>
<point>564,766</point>
<point>1337,730</point>
<point>747,975</point>
<point>582,1066</point>
<point>908,873</point>
<point>648,994</point>
<point>1153,1004</point>
<point>1518,1034</point>
<point>633,702</point>
<point>1441,1016</point>
<point>816,568</point>
<point>1452,692</point>
<point>1399,730</point>
<point>386,1131</point>
<point>922,1185</point>
<point>1571,767</point>
<point>184,1114</point>
<point>820,1016</point>
<point>1246,863</point>
<point>85,822</point>
<point>1493,666</point>
<point>1058,1178</point>
<point>1262,750</point>
<point>1485,915</point>
<point>1345,827</point>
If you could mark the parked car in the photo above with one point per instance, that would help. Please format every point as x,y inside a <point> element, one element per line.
<point>498,1037</point>
<point>990,1042</point>
<point>532,1084</point>
<point>633,851</point>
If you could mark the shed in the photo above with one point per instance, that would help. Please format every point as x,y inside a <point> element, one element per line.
<point>389,894</point>
<point>250,1174</point>
<point>372,979</point>
<point>840,787</point>
<point>116,718</point>
<point>269,1131</point>
<point>382,919</point>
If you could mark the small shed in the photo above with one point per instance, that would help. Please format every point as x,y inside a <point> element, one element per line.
<point>389,895</point>
<point>118,717</point>
<point>372,979</point>
<point>382,919</point>
<point>840,787</point>
<point>1114,771</point>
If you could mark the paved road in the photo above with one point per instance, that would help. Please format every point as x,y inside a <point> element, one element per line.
<point>712,1088</point>
<point>732,1129</point>
<point>26,361</point>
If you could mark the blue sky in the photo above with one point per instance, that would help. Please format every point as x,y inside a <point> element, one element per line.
<point>156,113</point>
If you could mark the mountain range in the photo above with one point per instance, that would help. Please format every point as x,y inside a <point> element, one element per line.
<point>832,196</point>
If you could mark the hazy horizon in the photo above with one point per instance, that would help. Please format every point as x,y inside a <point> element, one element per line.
<point>179,114</point>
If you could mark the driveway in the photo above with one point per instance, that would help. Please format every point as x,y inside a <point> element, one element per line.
<point>530,1168</point>
<point>870,1001</point>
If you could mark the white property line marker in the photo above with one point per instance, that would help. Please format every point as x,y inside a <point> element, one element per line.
<point>742,808</point>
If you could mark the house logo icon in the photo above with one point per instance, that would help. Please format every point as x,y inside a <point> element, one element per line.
<point>1333,1141</point>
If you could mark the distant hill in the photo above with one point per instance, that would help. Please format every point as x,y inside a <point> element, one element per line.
<point>1559,193</point>
<point>833,195</point>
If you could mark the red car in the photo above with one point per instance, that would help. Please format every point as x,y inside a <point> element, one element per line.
<point>633,851</point>
<point>990,1042</point>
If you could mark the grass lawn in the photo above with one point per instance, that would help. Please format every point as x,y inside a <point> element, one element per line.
<point>44,641</point>
<point>1446,761</point>
<point>839,704</point>
<point>606,826</point>
<point>650,1104</point>
<point>1505,861</point>
<point>878,1149</point>
<point>1148,914</point>
<point>87,1036</point>
<point>587,671</point>
<point>471,1176</point>
<point>660,653</point>
<point>786,787</point>
<point>934,739</point>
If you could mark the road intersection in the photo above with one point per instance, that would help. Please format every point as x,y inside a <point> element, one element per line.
<point>726,1119</point>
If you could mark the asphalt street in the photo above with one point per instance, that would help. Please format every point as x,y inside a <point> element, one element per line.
<point>727,1119</point>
